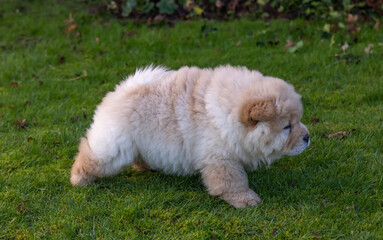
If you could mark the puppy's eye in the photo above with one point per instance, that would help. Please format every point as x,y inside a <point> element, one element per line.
<point>288,127</point>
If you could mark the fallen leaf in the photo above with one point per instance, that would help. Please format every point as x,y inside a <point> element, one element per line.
<point>293,183</point>
<point>340,135</point>
<point>21,207</point>
<point>61,59</point>
<point>84,74</point>
<point>289,44</point>
<point>30,139</point>
<point>70,19</point>
<point>21,124</point>
<point>316,235</point>
<point>132,33</point>
<point>73,119</point>
<point>198,223</point>
<point>292,47</point>
<point>351,18</point>
<point>345,46</point>
<point>368,49</point>
<point>238,44</point>
<point>83,113</point>
<point>354,29</point>
<point>70,28</point>
<point>14,84</point>
<point>315,120</point>
<point>377,25</point>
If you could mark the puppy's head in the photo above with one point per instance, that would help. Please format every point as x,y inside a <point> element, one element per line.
<point>271,115</point>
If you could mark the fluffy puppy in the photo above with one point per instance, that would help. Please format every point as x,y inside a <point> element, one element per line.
<point>217,122</point>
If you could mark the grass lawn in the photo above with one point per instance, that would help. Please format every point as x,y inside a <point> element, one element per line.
<point>52,77</point>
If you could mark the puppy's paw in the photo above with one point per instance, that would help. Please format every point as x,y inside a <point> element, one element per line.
<point>79,180</point>
<point>78,176</point>
<point>242,199</point>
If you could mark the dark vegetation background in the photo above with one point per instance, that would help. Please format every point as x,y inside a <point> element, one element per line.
<point>158,10</point>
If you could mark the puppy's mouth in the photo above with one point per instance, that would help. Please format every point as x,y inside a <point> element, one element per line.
<point>298,149</point>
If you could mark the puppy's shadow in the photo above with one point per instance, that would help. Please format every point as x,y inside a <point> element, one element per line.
<point>132,181</point>
<point>292,186</point>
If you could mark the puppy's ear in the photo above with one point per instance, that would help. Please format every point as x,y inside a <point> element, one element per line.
<point>258,110</point>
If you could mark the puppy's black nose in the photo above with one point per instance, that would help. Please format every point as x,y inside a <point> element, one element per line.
<point>306,138</point>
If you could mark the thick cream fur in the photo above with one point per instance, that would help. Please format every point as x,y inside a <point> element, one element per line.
<point>218,122</point>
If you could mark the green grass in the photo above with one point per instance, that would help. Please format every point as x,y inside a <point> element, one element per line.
<point>338,192</point>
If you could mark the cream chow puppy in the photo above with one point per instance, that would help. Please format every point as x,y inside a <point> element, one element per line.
<point>217,122</point>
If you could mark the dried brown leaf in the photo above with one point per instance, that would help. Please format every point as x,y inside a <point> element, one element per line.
<point>61,59</point>
<point>289,44</point>
<point>316,235</point>
<point>345,46</point>
<point>315,120</point>
<point>368,49</point>
<point>293,183</point>
<point>131,33</point>
<point>69,20</point>
<point>340,135</point>
<point>21,124</point>
<point>14,84</point>
<point>21,207</point>
<point>238,43</point>
<point>353,28</point>
<point>84,74</point>
<point>351,18</point>
<point>198,223</point>
<point>83,113</point>
<point>70,28</point>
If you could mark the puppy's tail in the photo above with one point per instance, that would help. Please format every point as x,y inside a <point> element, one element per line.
<point>84,167</point>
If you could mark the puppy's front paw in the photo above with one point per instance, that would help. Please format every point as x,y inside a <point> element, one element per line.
<point>242,199</point>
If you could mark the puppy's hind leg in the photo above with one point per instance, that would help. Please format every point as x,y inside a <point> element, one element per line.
<point>88,165</point>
